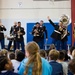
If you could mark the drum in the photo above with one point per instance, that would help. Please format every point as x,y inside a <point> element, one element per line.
<point>11,38</point>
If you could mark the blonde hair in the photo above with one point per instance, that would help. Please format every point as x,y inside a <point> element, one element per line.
<point>53,54</point>
<point>73,53</point>
<point>52,46</point>
<point>4,52</point>
<point>34,59</point>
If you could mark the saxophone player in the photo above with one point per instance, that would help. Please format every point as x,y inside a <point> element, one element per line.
<point>19,36</point>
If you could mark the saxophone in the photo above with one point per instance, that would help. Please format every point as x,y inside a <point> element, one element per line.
<point>19,33</point>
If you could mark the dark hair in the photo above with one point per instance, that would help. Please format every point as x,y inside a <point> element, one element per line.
<point>12,55</point>
<point>20,56</point>
<point>19,22</point>
<point>3,61</point>
<point>41,21</point>
<point>71,49</point>
<point>71,66</point>
<point>43,53</point>
<point>37,23</point>
<point>61,21</point>
<point>61,55</point>
<point>66,56</point>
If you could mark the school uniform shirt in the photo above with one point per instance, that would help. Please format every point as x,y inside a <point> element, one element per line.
<point>15,64</point>
<point>65,67</point>
<point>57,68</point>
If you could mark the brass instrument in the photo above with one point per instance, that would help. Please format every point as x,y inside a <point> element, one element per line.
<point>12,36</point>
<point>36,32</point>
<point>65,20</point>
<point>60,28</point>
<point>19,33</point>
<point>64,33</point>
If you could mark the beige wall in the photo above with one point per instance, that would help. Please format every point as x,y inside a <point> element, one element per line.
<point>31,11</point>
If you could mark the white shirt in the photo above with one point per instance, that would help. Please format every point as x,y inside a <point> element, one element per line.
<point>65,67</point>
<point>15,65</point>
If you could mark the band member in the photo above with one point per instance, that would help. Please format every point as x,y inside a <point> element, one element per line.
<point>43,31</point>
<point>2,28</point>
<point>64,38</point>
<point>12,34</point>
<point>36,32</point>
<point>19,36</point>
<point>56,35</point>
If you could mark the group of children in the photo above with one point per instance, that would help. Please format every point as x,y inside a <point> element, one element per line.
<point>37,62</point>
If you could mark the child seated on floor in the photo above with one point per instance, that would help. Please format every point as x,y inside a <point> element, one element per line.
<point>6,66</point>
<point>4,52</point>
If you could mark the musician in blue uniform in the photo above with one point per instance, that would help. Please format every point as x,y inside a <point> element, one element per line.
<point>19,31</point>
<point>56,35</point>
<point>43,34</point>
<point>2,28</point>
<point>64,38</point>
<point>13,35</point>
<point>36,32</point>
